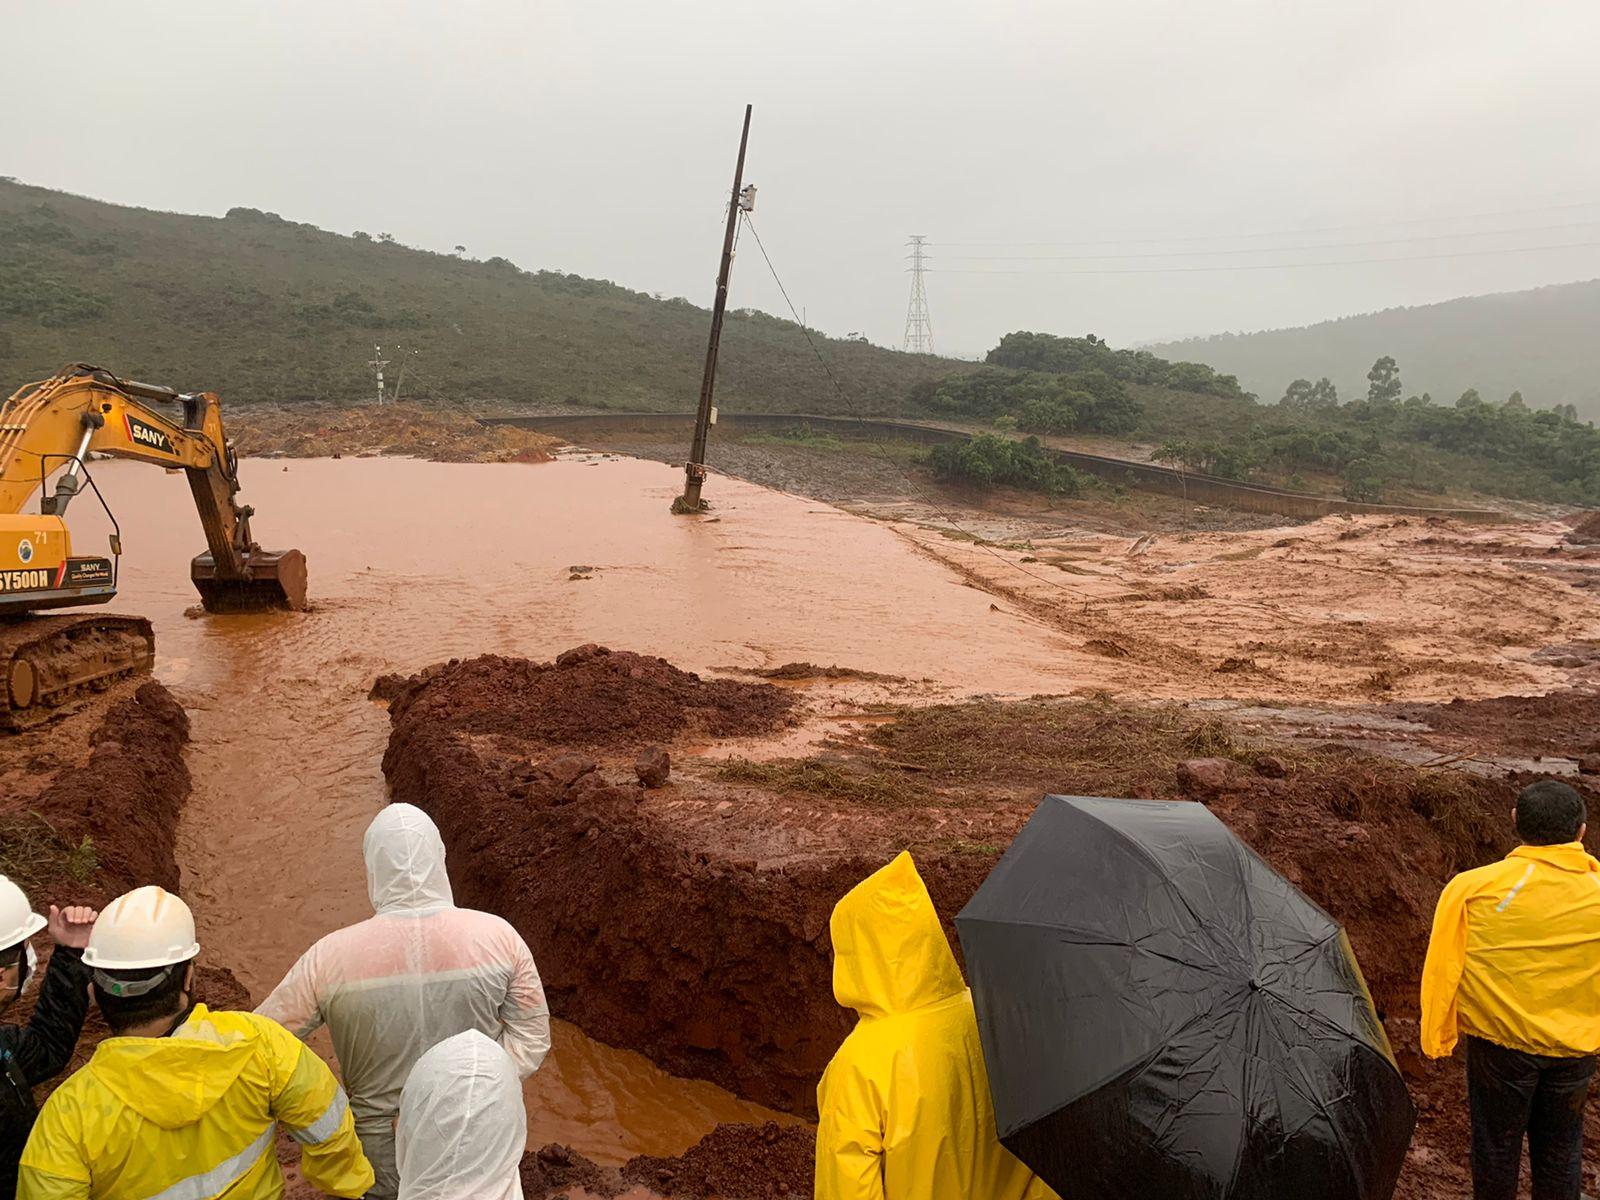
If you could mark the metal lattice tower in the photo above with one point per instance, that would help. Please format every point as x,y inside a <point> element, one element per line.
<point>919,326</point>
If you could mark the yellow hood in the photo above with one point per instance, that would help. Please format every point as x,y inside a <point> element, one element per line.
<point>890,954</point>
<point>174,1081</point>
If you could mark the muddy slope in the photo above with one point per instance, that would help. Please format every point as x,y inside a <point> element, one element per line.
<point>98,813</point>
<point>678,942</point>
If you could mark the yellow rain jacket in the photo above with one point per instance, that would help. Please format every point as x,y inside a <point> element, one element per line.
<point>1515,955</point>
<point>192,1116</point>
<point>904,1108</point>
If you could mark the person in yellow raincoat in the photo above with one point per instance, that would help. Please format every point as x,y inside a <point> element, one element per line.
<point>1514,966</point>
<point>182,1103</point>
<point>903,1109</point>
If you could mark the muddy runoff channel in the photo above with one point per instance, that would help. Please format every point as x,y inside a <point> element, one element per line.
<point>414,563</point>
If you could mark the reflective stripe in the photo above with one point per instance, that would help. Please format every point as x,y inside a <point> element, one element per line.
<point>325,1126</point>
<point>222,1176</point>
<point>1512,894</point>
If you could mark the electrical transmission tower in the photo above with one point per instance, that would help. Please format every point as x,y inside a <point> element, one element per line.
<point>919,326</point>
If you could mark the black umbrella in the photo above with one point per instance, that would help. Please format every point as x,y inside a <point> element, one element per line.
<point>1165,1017</point>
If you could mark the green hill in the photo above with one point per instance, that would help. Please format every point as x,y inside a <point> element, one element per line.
<point>260,308</point>
<point>1541,343</point>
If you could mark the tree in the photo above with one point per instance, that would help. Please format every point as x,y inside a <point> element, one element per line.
<point>460,250</point>
<point>1516,401</point>
<point>1469,399</point>
<point>1323,394</point>
<point>1297,394</point>
<point>387,238</point>
<point>361,235</point>
<point>1383,382</point>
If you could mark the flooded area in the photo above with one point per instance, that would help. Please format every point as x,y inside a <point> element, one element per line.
<point>413,562</point>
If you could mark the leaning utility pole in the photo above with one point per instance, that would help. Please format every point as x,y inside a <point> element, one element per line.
<point>919,326</point>
<point>694,471</point>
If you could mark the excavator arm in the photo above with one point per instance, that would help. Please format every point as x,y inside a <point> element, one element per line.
<point>57,423</point>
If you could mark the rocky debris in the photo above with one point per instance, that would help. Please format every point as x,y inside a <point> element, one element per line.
<point>1271,766</point>
<point>1205,776</point>
<point>589,696</point>
<point>1586,529</point>
<point>1589,764</point>
<point>653,766</point>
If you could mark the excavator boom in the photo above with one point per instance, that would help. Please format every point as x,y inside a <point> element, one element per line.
<point>48,430</point>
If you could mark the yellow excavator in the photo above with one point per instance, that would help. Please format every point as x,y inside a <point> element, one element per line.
<point>51,428</point>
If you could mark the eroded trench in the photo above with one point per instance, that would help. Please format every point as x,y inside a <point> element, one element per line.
<point>684,922</point>
<point>418,562</point>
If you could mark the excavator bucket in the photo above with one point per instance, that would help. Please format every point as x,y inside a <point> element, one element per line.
<point>271,579</point>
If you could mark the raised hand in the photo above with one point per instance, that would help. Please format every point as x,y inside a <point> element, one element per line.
<point>70,926</point>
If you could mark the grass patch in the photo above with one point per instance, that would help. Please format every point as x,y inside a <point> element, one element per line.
<point>861,784</point>
<point>36,858</point>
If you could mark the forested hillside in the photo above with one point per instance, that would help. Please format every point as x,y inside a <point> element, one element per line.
<point>261,308</point>
<point>1541,343</point>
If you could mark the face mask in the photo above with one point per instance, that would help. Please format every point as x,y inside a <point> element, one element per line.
<point>29,972</point>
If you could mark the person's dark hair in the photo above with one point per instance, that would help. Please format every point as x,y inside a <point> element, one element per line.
<point>1549,813</point>
<point>125,1012</point>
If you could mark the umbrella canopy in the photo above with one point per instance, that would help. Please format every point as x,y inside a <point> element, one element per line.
<point>1164,1015</point>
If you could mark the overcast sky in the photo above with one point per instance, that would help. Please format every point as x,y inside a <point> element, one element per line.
<point>598,136</point>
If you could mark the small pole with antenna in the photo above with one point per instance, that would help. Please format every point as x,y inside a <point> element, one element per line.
<point>694,471</point>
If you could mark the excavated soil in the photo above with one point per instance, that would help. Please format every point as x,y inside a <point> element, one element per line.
<point>89,808</point>
<point>733,1162</point>
<point>1563,724</point>
<point>589,696</point>
<point>690,922</point>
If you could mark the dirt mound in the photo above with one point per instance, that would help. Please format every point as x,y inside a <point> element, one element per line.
<point>799,671</point>
<point>406,430</point>
<point>127,798</point>
<point>732,1162</point>
<point>735,1162</point>
<point>1561,724</point>
<point>1585,529</point>
<point>589,696</point>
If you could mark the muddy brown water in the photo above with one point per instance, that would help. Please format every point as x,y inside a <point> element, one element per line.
<point>412,562</point>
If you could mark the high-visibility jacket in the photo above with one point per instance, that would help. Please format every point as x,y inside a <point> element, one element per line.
<point>422,970</point>
<point>904,1109</point>
<point>194,1115</point>
<point>1515,955</point>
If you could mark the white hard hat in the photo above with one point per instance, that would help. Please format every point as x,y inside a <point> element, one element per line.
<point>147,927</point>
<point>18,921</point>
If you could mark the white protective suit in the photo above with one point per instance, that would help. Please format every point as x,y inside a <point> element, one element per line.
<point>398,984</point>
<point>462,1126</point>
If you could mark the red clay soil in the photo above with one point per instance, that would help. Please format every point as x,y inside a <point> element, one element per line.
<point>662,932</point>
<point>1564,723</point>
<point>114,775</point>
<point>1586,529</point>
<point>589,696</point>
<point>732,1162</point>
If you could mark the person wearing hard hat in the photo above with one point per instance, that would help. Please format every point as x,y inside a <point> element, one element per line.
<point>181,1102</point>
<point>903,1109</point>
<point>40,1050</point>
<point>421,970</point>
<point>462,1126</point>
<point>1513,969</point>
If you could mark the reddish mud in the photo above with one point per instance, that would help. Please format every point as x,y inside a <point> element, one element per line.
<point>90,804</point>
<point>409,430</point>
<point>733,1162</point>
<point>712,955</point>
<point>1562,724</point>
<point>587,696</point>
<point>690,927</point>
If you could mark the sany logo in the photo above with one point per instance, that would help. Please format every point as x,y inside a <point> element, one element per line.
<point>141,434</point>
<point>25,551</point>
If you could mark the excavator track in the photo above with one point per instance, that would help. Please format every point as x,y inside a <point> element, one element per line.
<point>48,664</point>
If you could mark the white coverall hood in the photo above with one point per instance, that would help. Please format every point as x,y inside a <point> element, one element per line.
<point>405,862</point>
<point>462,1127</point>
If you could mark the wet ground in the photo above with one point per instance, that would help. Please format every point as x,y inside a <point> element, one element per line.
<point>413,562</point>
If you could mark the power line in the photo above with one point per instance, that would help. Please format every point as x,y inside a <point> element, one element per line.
<point>883,452</point>
<point>1216,237</point>
<point>919,325</point>
<point>1337,262</point>
<point>1432,237</point>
